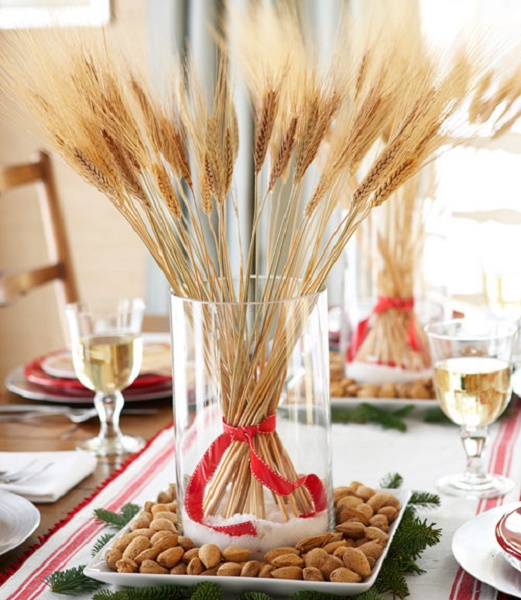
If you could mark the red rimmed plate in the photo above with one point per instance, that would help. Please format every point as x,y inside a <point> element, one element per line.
<point>17,383</point>
<point>508,536</point>
<point>55,370</point>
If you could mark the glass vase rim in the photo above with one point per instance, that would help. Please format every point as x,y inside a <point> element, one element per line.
<point>279,301</point>
<point>431,329</point>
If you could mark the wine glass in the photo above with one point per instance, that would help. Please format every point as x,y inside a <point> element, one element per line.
<point>107,350</point>
<point>472,362</point>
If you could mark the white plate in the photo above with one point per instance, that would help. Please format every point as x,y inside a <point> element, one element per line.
<point>157,358</point>
<point>17,383</point>
<point>98,569</point>
<point>392,403</point>
<point>18,519</point>
<point>475,548</point>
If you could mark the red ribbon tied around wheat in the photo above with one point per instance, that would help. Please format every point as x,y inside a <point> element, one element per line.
<point>384,303</point>
<point>260,469</point>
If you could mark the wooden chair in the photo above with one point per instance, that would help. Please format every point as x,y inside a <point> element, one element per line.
<point>17,283</point>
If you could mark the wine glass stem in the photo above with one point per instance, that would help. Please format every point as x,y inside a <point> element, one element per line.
<point>109,408</point>
<point>474,441</point>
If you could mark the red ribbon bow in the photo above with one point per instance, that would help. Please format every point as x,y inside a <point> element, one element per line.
<point>261,471</point>
<point>384,303</point>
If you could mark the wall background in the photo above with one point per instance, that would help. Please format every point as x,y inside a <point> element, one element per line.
<point>108,256</point>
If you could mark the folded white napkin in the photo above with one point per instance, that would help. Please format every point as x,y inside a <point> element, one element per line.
<point>49,475</point>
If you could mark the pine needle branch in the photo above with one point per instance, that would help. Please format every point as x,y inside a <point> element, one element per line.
<point>72,582</point>
<point>367,413</point>
<point>117,520</point>
<point>391,481</point>
<point>101,542</point>
<point>424,500</point>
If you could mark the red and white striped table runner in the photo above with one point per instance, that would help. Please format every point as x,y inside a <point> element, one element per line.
<point>362,452</point>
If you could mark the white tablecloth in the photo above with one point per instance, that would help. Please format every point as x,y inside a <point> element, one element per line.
<point>361,452</point>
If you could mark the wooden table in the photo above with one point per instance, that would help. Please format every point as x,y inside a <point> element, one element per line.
<point>58,433</point>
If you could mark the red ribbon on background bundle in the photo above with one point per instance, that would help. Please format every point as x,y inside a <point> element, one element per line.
<point>384,303</point>
<point>260,469</point>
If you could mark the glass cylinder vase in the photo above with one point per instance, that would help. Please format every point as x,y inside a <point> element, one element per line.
<point>252,419</point>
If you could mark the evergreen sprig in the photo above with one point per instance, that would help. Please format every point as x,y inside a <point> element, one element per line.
<point>391,481</point>
<point>158,592</point>
<point>249,595</point>
<point>368,413</point>
<point>72,582</point>
<point>424,500</point>
<point>436,416</point>
<point>117,520</point>
<point>101,542</point>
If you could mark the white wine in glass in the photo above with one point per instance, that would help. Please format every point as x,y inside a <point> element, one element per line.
<point>472,379</point>
<point>107,351</point>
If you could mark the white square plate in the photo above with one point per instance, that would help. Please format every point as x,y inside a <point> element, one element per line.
<point>98,569</point>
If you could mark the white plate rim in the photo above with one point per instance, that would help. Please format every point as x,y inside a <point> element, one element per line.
<point>29,512</point>
<point>97,569</point>
<point>487,563</point>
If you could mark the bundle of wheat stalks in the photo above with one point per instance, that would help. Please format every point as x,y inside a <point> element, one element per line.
<point>391,242</point>
<point>167,164</point>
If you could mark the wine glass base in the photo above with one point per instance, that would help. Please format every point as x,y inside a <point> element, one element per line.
<point>124,444</point>
<point>495,486</point>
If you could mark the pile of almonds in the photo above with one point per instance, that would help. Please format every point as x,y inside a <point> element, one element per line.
<point>346,554</point>
<point>345,387</point>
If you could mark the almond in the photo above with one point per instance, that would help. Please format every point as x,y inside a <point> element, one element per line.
<point>166,541</point>
<point>314,557</point>
<point>148,554</point>
<point>170,516</point>
<point>351,501</point>
<point>189,554</point>
<point>236,554</point>
<point>150,566</point>
<point>351,529</point>
<point>179,569</point>
<point>376,534</point>
<point>378,500</point>
<point>112,558</point>
<point>162,525</point>
<point>329,564</point>
<point>287,573</point>
<point>287,560</point>
<point>266,571</point>
<point>229,569</point>
<point>344,575</point>
<point>312,574</point>
<point>390,512</point>
<point>195,567</point>
<point>169,558</point>
<point>210,555</point>
<point>186,543</point>
<point>251,568</point>
<point>308,543</point>
<point>355,560</point>
<point>332,546</point>
<point>380,521</point>
<point>126,565</point>
<point>136,546</point>
<point>365,492</point>
<point>271,554</point>
<point>371,549</point>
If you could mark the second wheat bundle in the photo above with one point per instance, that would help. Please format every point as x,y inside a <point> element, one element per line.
<point>387,341</point>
